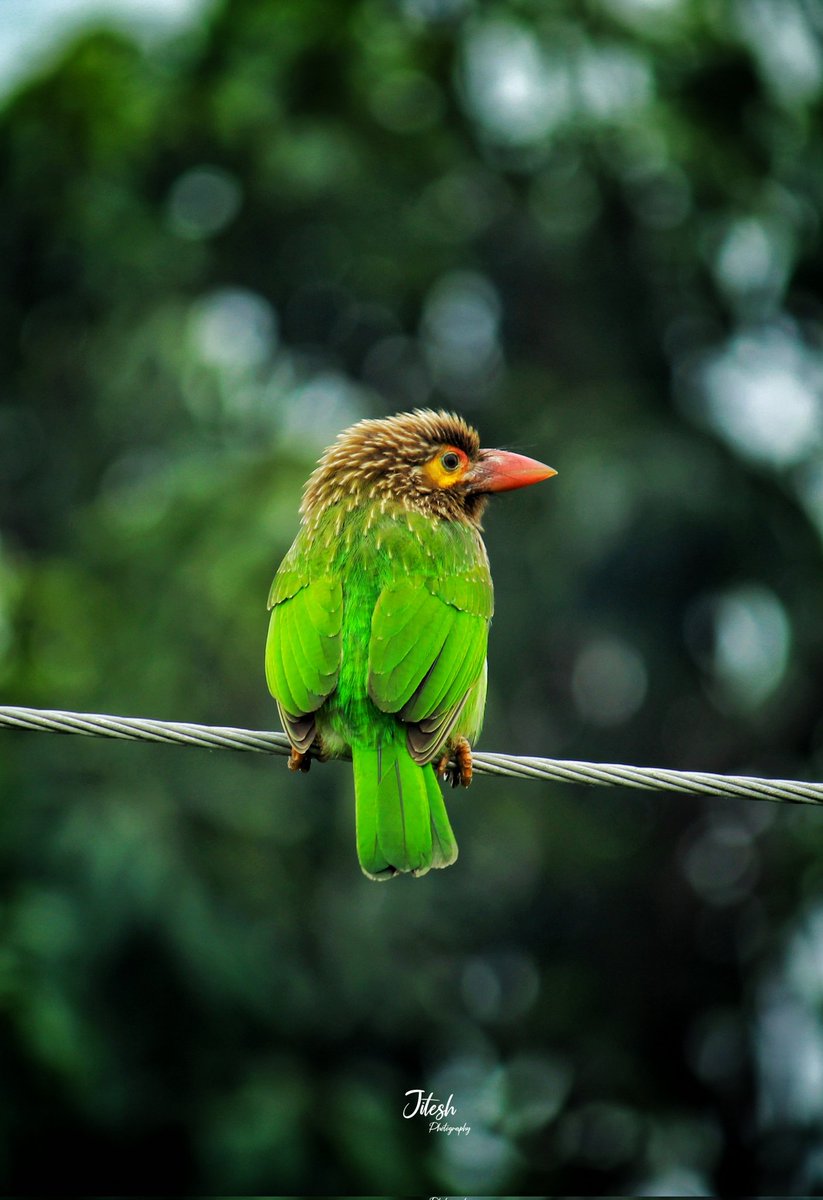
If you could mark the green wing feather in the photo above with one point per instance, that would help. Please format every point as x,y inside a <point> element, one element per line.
<point>409,630</point>
<point>303,649</point>
<point>427,651</point>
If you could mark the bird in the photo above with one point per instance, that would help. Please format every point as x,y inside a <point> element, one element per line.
<point>380,614</point>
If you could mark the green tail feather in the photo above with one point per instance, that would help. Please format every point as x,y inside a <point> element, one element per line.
<point>402,824</point>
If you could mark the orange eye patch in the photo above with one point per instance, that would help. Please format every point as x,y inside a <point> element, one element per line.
<point>447,467</point>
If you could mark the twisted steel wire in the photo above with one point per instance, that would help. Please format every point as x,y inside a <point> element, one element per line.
<point>218,737</point>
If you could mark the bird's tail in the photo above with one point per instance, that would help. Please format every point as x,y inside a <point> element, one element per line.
<point>402,824</point>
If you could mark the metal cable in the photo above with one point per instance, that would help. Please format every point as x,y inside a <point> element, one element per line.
<point>218,737</point>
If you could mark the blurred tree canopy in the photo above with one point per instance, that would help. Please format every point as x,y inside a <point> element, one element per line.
<point>594,229</point>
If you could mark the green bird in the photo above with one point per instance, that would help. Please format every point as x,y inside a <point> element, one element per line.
<point>380,617</point>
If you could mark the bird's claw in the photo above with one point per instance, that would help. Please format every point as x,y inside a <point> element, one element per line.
<point>300,761</point>
<point>459,771</point>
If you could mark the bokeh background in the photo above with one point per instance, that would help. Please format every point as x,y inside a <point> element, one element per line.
<point>228,230</point>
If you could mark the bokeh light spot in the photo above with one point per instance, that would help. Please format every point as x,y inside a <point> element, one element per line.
<point>749,639</point>
<point>202,202</point>
<point>763,394</point>
<point>511,89</point>
<point>753,256</point>
<point>612,81</point>
<point>234,329</point>
<point>786,44</point>
<point>609,682</point>
<point>461,319</point>
<point>720,862</point>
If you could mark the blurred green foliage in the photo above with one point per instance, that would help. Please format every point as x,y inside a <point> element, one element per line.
<point>593,228</point>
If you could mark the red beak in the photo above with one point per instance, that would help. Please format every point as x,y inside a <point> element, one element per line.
<point>502,471</point>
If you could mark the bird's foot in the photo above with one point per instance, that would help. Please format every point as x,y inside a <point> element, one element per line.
<point>300,761</point>
<point>461,771</point>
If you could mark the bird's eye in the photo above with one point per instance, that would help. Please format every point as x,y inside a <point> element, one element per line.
<point>450,461</point>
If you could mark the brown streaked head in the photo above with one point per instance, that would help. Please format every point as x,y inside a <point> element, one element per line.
<point>429,461</point>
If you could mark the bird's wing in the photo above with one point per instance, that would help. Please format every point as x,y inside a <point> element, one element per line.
<point>427,651</point>
<point>303,649</point>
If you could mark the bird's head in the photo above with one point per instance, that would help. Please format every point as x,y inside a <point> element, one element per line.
<point>431,462</point>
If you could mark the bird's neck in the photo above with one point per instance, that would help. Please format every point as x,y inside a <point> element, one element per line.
<point>348,503</point>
